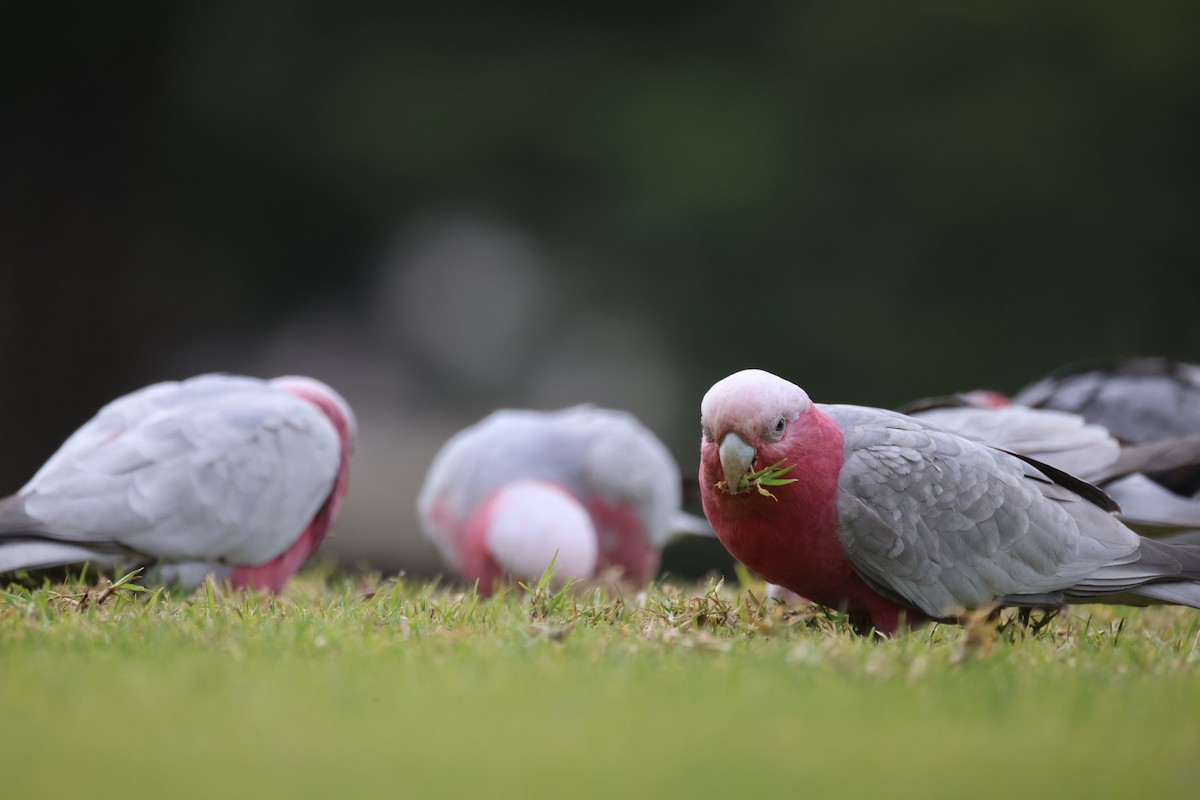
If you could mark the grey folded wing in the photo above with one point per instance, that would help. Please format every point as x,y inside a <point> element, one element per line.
<point>942,522</point>
<point>595,453</point>
<point>626,465</point>
<point>218,468</point>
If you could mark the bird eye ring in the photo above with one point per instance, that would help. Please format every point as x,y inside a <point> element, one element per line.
<point>780,424</point>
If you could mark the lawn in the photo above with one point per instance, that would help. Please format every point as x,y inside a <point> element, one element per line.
<point>356,687</point>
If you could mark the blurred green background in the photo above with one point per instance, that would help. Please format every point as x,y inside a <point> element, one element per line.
<point>443,210</point>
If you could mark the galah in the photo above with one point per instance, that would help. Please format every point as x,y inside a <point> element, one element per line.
<point>221,474</point>
<point>585,488</point>
<point>898,521</point>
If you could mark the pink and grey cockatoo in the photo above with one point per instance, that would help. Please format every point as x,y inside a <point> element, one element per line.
<point>588,487</point>
<point>219,474</point>
<point>899,521</point>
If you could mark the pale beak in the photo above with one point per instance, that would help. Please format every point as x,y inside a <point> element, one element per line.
<point>736,459</point>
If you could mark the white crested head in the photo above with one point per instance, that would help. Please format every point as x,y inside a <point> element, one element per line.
<point>532,522</point>
<point>324,397</point>
<point>752,403</point>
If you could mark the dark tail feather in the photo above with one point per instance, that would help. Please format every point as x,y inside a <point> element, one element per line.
<point>1093,494</point>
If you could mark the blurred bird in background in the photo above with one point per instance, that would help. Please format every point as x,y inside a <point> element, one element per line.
<point>220,474</point>
<point>587,488</point>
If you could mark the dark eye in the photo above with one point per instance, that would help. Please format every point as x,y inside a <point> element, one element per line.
<point>705,432</point>
<point>780,424</point>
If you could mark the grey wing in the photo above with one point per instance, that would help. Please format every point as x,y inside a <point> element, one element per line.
<point>593,452</point>
<point>1153,509</point>
<point>35,555</point>
<point>625,464</point>
<point>477,461</point>
<point>218,468</point>
<point>505,446</point>
<point>128,411</point>
<point>1057,438</point>
<point>942,522</point>
<point>1173,464</point>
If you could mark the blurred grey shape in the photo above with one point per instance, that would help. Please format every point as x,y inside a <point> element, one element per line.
<point>466,294</point>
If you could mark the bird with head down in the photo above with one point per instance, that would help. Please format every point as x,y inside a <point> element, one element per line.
<point>219,474</point>
<point>585,488</point>
<point>898,521</point>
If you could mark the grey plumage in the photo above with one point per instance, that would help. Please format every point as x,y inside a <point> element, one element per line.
<point>1152,405</point>
<point>943,522</point>
<point>1058,438</point>
<point>591,452</point>
<point>215,469</point>
<point>1150,481</point>
<point>1141,400</point>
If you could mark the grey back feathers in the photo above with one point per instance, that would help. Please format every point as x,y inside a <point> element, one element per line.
<point>216,468</point>
<point>592,452</point>
<point>943,522</point>
<point>1089,451</point>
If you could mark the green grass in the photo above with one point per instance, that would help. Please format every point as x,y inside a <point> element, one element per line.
<point>361,688</point>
